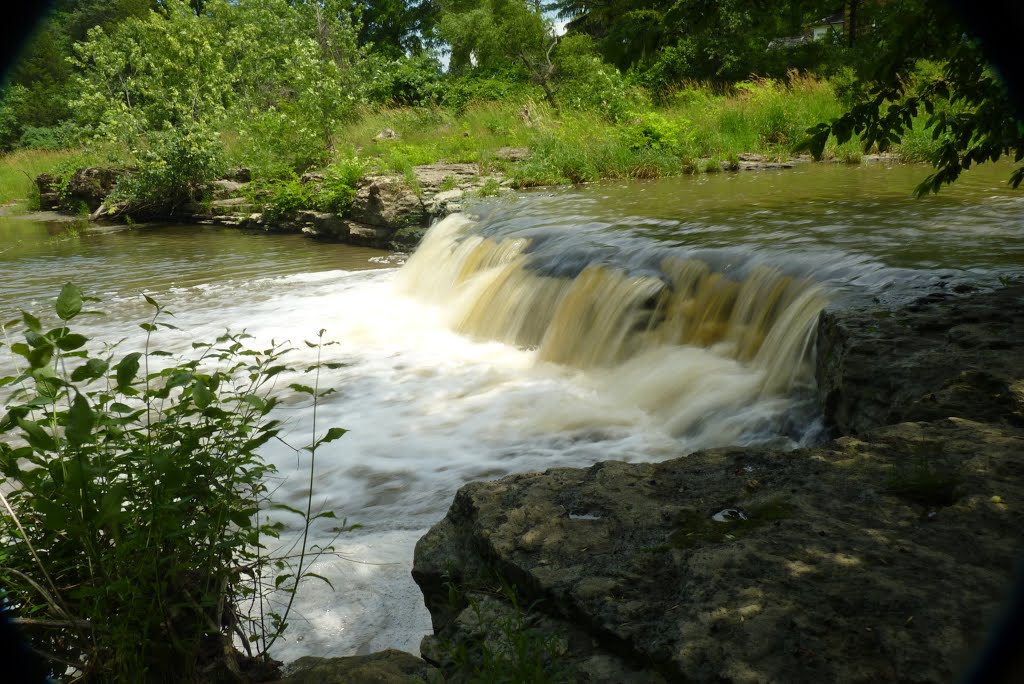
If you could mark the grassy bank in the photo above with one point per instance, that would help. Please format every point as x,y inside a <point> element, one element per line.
<point>692,131</point>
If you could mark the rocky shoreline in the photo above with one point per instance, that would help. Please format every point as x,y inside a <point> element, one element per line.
<point>882,555</point>
<point>389,211</point>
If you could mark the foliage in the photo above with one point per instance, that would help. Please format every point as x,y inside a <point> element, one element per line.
<point>173,169</point>
<point>403,81</point>
<point>395,28</point>
<point>133,492</point>
<point>498,34</point>
<point>338,188</point>
<point>969,114</point>
<point>587,82</point>
<point>149,74</point>
<point>650,130</point>
<point>281,199</point>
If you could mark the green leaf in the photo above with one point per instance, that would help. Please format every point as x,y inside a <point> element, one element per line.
<point>69,302</point>
<point>91,369</point>
<point>319,577</point>
<point>54,516</point>
<point>36,436</point>
<point>31,321</point>
<point>304,389</point>
<point>332,434</point>
<point>71,341</point>
<point>280,579</point>
<point>35,339</point>
<point>127,368</point>
<point>241,519</point>
<point>152,302</point>
<point>80,420</point>
<point>201,394</point>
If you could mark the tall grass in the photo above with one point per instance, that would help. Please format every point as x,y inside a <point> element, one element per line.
<point>19,169</point>
<point>689,131</point>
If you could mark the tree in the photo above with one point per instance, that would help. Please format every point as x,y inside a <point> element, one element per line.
<point>969,109</point>
<point>496,34</point>
<point>395,28</point>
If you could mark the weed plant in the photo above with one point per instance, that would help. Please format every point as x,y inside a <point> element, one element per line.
<point>134,501</point>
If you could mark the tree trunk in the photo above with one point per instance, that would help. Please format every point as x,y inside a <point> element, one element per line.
<point>852,21</point>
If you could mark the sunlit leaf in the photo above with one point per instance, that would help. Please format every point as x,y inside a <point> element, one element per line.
<point>69,302</point>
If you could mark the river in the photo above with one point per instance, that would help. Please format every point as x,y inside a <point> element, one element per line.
<point>631,320</point>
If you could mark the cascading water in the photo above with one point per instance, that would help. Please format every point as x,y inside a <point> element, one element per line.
<point>676,338</point>
<point>626,321</point>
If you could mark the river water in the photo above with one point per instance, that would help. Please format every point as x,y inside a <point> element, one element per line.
<point>635,321</point>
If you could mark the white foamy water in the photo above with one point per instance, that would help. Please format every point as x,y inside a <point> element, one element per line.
<point>434,399</point>
<point>428,410</point>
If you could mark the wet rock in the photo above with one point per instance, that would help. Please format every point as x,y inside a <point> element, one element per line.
<point>873,559</point>
<point>940,356</point>
<point>385,667</point>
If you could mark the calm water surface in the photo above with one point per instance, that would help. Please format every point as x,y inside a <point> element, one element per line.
<point>430,409</point>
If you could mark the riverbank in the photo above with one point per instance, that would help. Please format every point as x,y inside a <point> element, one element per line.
<point>519,144</point>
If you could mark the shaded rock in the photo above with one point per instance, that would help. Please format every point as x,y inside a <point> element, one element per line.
<point>385,667</point>
<point>874,559</point>
<point>233,205</point>
<point>91,186</point>
<point>941,356</point>
<point>325,226</point>
<point>369,236</point>
<point>387,202</point>
<point>46,184</point>
<point>239,174</point>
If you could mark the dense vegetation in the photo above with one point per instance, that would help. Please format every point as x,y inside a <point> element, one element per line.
<point>135,506</point>
<point>134,496</point>
<point>181,91</point>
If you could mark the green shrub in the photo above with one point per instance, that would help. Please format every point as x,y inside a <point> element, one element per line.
<point>280,200</point>
<point>174,169</point>
<point>133,497</point>
<point>339,185</point>
<point>651,131</point>
<point>405,82</point>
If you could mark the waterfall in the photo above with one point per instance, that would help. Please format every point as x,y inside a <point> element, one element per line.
<point>695,346</point>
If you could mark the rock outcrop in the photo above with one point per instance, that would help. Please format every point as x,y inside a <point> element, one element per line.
<point>879,557</point>
<point>941,356</point>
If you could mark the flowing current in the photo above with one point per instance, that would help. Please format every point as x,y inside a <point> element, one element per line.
<point>634,321</point>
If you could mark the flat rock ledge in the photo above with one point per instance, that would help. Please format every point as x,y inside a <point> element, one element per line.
<point>883,556</point>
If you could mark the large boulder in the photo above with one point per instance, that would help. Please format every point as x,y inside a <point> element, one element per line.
<point>941,356</point>
<point>387,202</point>
<point>874,559</point>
